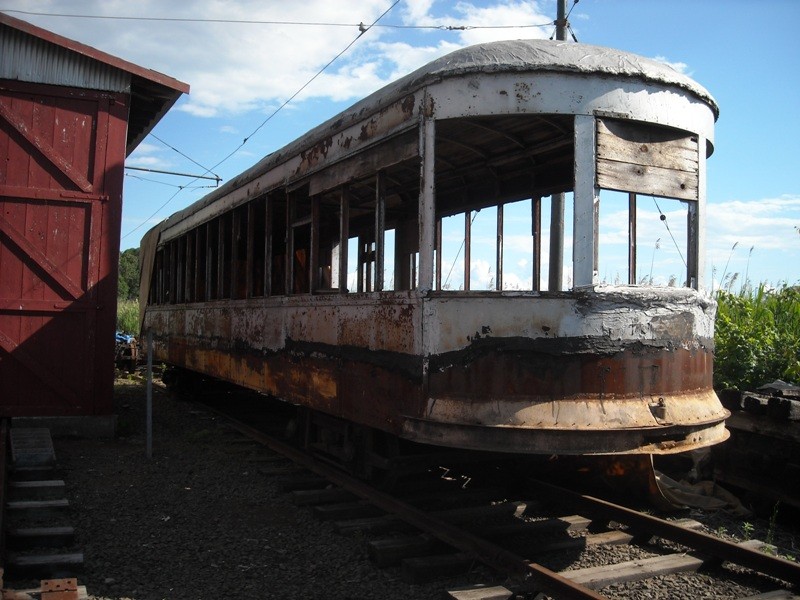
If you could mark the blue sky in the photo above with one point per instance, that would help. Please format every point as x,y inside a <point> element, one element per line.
<point>745,53</point>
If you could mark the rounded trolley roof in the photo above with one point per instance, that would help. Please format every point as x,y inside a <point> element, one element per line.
<point>549,56</point>
<point>529,56</point>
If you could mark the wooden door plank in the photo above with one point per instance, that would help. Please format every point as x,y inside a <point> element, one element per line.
<point>40,258</point>
<point>38,142</point>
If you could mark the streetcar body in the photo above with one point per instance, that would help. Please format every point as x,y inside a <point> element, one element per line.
<point>317,276</point>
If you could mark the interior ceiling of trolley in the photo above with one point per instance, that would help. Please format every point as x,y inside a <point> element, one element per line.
<point>480,162</point>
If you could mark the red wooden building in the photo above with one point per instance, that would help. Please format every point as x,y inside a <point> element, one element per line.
<point>69,115</point>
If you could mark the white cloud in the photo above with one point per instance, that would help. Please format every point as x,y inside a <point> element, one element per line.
<point>680,67</point>
<point>755,236</point>
<point>503,13</point>
<point>769,224</point>
<point>239,67</point>
<point>149,156</point>
<point>407,58</point>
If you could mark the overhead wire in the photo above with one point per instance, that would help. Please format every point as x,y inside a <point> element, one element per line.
<point>183,187</point>
<point>455,260</point>
<point>663,218</point>
<point>270,22</point>
<point>189,158</point>
<point>362,31</point>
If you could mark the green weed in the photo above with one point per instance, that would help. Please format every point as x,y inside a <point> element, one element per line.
<point>128,316</point>
<point>757,337</point>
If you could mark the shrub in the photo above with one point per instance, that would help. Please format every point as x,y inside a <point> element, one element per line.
<point>128,316</point>
<point>757,337</point>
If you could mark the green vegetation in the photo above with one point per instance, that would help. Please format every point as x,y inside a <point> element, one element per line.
<point>757,337</point>
<point>128,292</point>
<point>129,274</point>
<point>128,316</point>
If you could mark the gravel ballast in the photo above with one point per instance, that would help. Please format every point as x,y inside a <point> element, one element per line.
<point>201,520</point>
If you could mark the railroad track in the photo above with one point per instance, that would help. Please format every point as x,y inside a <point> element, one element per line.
<point>31,548</point>
<point>473,535</point>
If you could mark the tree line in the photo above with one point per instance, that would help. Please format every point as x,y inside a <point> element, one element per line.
<point>128,275</point>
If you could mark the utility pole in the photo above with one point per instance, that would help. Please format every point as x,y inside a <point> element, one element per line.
<point>561,21</point>
<point>556,271</point>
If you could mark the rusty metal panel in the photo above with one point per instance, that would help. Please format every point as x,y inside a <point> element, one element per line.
<point>570,369</point>
<point>61,155</point>
<point>521,372</point>
<point>312,350</point>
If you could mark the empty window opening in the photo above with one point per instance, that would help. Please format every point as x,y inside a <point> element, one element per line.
<point>239,252</point>
<point>257,246</point>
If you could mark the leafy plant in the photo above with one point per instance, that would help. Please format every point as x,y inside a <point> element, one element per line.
<point>128,316</point>
<point>128,288</point>
<point>757,337</point>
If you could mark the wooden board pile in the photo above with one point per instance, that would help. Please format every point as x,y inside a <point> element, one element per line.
<point>762,456</point>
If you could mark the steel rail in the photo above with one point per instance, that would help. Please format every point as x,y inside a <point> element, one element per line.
<point>707,544</point>
<point>531,575</point>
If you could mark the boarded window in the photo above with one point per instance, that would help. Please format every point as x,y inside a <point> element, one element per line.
<point>639,158</point>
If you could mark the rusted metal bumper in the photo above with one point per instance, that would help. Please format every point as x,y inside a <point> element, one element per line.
<point>533,440</point>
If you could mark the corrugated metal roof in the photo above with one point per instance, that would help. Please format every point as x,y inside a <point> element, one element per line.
<point>34,55</point>
<point>33,60</point>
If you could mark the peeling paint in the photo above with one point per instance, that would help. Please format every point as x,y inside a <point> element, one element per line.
<point>595,375</point>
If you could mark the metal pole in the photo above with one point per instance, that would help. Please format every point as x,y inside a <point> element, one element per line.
<point>149,417</point>
<point>556,272</point>
<point>561,21</point>
<point>631,238</point>
<point>427,203</point>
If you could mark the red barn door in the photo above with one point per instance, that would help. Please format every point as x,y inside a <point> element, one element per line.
<point>61,158</point>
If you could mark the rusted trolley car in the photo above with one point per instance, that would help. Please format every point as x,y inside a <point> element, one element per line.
<point>249,285</point>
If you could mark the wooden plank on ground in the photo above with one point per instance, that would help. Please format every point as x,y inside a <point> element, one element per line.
<point>634,570</point>
<point>545,526</point>
<point>609,538</point>
<point>461,515</point>
<point>278,470</point>
<point>40,537</point>
<point>31,473</point>
<point>346,510</point>
<point>304,481</point>
<point>326,496</point>
<point>392,551</point>
<point>458,515</point>
<point>37,490</point>
<point>430,568</point>
<point>38,507</point>
<point>371,524</point>
<point>481,592</point>
<point>30,566</point>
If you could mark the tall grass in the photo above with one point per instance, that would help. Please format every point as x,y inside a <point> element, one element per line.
<point>757,337</point>
<point>128,316</point>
